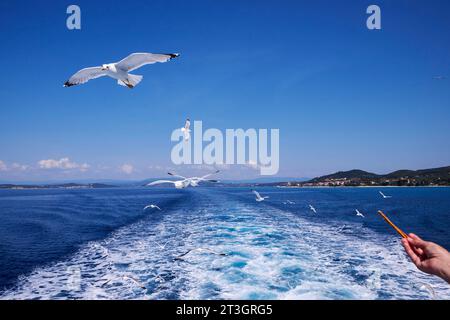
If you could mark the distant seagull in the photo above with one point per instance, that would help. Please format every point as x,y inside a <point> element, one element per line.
<point>288,202</point>
<point>185,182</point>
<point>439,78</point>
<point>196,180</point>
<point>258,196</point>
<point>180,257</point>
<point>135,281</point>
<point>119,70</point>
<point>186,131</point>
<point>161,246</point>
<point>312,209</point>
<point>152,206</point>
<point>384,196</point>
<point>180,184</point>
<point>359,214</point>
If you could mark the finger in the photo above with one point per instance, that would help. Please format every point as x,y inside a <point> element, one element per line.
<point>416,241</point>
<point>412,255</point>
<point>415,236</point>
<point>420,251</point>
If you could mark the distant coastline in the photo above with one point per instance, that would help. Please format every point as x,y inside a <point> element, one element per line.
<point>436,177</point>
<point>374,186</point>
<point>56,186</point>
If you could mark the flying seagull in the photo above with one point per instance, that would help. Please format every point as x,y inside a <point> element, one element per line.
<point>179,184</point>
<point>258,196</point>
<point>120,70</point>
<point>152,206</point>
<point>186,131</point>
<point>359,214</point>
<point>160,245</point>
<point>135,281</point>
<point>185,182</point>
<point>181,256</point>
<point>196,180</point>
<point>312,209</point>
<point>384,196</point>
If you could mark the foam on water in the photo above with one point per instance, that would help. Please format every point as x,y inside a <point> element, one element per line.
<point>270,254</point>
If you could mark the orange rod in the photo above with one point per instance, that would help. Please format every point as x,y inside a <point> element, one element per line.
<point>400,232</point>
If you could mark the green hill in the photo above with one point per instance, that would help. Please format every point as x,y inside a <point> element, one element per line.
<point>425,177</point>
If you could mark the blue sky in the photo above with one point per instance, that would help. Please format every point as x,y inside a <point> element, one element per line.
<point>342,96</point>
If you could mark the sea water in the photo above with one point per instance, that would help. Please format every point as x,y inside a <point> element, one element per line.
<point>100,244</point>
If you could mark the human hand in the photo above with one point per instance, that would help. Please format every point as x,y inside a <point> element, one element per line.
<point>428,256</point>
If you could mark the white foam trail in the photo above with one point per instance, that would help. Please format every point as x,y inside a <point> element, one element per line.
<point>271,254</point>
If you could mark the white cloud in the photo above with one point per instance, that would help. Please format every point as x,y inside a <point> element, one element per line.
<point>126,168</point>
<point>84,167</point>
<point>103,167</point>
<point>20,167</point>
<point>63,163</point>
<point>3,166</point>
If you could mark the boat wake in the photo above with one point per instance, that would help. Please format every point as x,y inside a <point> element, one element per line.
<point>237,249</point>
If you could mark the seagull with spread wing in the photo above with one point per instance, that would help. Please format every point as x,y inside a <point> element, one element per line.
<point>185,182</point>
<point>312,208</point>
<point>152,206</point>
<point>259,198</point>
<point>120,70</point>
<point>359,213</point>
<point>196,180</point>
<point>179,184</point>
<point>384,196</point>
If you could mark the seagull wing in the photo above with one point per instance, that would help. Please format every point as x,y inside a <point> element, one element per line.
<point>84,75</point>
<point>160,182</point>
<point>137,60</point>
<point>176,175</point>
<point>208,175</point>
<point>257,194</point>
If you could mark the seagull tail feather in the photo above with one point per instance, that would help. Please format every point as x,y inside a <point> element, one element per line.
<point>134,79</point>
